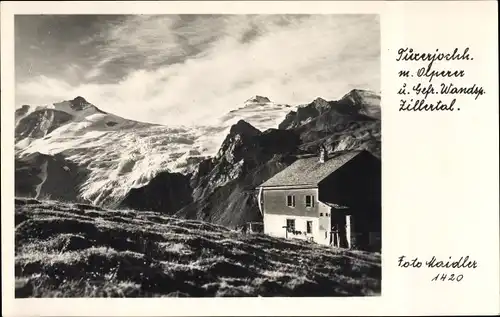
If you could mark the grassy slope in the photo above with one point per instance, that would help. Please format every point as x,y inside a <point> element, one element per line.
<point>76,250</point>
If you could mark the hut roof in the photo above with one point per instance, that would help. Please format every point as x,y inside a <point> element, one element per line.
<point>310,171</point>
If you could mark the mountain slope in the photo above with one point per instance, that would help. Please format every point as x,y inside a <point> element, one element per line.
<point>40,123</point>
<point>304,114</point>
<point>245,151</point>
<point>226,194</point>
<point>339,125</point>
<point>44,176</point>
<point>75,250</point>
<point>223,186</point>
<point>136,165</point>
<point>259,111</point>
<point>117,152</point>
<point>122,154</point>
<point>351,123</point>
<point>366,102</point>
<point>166,192</point>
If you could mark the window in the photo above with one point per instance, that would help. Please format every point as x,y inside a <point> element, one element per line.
<point>326,214</point>
<point>321,214</point>
<point>290,201</point>
<point>309,201</point>
<point>309,226</point>
<point>290,224</point>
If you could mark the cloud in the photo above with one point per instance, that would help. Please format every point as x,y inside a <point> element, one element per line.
<point>189,69</point>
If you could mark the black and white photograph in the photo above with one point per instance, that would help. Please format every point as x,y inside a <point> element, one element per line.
<point>198,155</point>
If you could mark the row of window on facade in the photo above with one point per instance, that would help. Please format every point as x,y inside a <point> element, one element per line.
<point>309,201</point>
<point>290,225</point>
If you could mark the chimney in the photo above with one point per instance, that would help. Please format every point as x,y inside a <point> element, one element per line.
<point>322,154</point>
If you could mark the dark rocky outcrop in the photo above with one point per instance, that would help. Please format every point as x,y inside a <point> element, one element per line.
<point>305,113</point>
<point>204,167</point>
<point>365,102</point>
<point>20,112</point>
<point>79,104</point>
<point>353,122</point>
<point>221,189</point>
<point>234,203</point>
<point>40,176</point>
<point>244,149</point>
<point>247,157</point>
<point>40,123</point>
<point>165,193</point>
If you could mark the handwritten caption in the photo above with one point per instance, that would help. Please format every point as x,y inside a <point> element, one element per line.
<point>428,82</point>
<point>464,262</point>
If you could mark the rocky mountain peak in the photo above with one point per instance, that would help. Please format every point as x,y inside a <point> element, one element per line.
<point>357,91</point>
<point>305,113</point>
<point>79,103</point>
<point>367,102</point>
<point>320,104</point>
<point>243,128</point>
<point>79,99</point>
<point>22,111</point>
<point>258,99</point>
<point>320,101</point>
<point>358,96</point>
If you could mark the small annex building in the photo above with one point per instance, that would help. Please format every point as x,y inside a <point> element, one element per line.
<point>331,199</point>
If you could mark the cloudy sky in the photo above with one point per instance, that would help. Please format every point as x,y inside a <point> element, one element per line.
<point>180,69</point>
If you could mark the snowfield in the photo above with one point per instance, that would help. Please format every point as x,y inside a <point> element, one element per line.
<point>121,154</point>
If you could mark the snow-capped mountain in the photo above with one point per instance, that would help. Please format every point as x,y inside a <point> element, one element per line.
<point>259,111</point>
<point>221,189</point>
<point>116,154</point>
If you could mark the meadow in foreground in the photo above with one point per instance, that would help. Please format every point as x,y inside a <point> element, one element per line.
<point>76,250</point>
